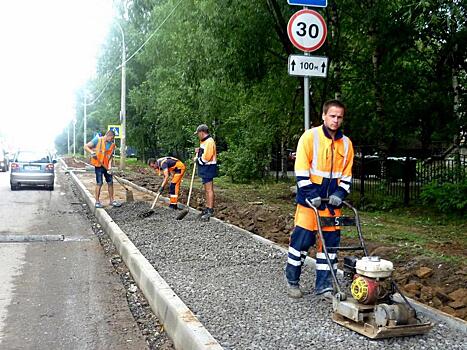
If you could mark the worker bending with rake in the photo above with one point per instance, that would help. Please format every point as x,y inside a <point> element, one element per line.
<point>323,169</point>
<point>168,166</point>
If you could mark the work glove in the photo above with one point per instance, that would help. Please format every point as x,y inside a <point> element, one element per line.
<point>335,200</point>
<point>160,189</point>
<point>93,154</point>
<point>316,202</point>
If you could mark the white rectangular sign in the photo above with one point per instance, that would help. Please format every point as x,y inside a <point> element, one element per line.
<point>308,66</point>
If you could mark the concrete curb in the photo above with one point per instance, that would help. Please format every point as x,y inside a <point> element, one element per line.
<point>438,315</point>
<point>180,323</point>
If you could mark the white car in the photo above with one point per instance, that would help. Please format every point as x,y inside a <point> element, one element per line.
<point>32,168</point>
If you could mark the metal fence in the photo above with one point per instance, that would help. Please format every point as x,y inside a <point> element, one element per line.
<point>402,177</point>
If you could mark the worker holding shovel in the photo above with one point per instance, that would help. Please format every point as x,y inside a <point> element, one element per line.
<point>101,150</point>
<point>206,157</point>
<point>168,166</point>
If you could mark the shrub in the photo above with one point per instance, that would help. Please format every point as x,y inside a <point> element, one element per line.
<point>446,197</point>
<point>243,165</point>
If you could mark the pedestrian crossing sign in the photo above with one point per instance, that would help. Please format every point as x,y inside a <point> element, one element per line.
<point>116,129</point>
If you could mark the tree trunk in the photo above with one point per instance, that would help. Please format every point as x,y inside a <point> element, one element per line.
<point>377,86</point>
<point>284,157</point>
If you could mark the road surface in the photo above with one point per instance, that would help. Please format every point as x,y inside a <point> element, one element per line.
<point>58,295</point>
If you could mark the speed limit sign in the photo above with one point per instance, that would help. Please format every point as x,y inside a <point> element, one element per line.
<point>307,30</point>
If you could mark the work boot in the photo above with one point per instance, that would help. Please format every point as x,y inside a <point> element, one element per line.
<point>294,291</point>
<point>207,214</point>
<point>202,213</point>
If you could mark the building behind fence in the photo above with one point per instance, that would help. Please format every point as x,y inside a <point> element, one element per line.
<point>402,177</point>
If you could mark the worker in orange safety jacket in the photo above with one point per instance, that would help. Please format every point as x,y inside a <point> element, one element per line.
<point>206,158</point>
<point>323,169</point>
<point>102,150</point>
<point>169,165</point>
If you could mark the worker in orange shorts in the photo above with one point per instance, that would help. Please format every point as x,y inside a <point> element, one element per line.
<point>323,169</point>
<point>169,165</point>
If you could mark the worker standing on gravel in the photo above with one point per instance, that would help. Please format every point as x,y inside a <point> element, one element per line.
<point>169,165</point>
<point>101,150</point>
<point>206,156</point>
<point>323,169</point>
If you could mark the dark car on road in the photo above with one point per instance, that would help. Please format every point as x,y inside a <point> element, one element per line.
<point>4,161</point>
<point>32,168</point>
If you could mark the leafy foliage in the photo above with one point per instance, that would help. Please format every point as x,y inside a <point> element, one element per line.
<point>400,67</point>
<point>447,197</point>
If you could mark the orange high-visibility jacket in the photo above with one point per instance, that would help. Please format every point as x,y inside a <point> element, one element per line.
<point>323,166</point>
<point>103,156</point>
<point>207,158</point>
<point>169,164</point>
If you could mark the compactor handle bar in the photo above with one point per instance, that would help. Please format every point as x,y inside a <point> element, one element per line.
<point>325,249</point>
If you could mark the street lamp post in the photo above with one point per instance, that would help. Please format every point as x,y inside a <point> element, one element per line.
<point>74,136</point>
<point>68,139</point>
<point>85,121</point>
<point>123,104</point>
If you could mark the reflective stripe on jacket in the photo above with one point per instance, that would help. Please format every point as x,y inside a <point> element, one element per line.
<point>323,166</point>
<point>103,156</point>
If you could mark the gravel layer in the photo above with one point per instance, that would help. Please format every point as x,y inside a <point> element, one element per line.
<point>236,287</point>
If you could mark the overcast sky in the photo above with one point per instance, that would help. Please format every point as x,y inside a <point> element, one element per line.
<point>48,50</point>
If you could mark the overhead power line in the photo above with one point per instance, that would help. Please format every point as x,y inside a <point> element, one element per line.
<point>134,53</point>
<point>102,91</point>
<point>152,34</point>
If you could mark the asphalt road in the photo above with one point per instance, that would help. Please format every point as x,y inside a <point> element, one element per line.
<point>58,295</point>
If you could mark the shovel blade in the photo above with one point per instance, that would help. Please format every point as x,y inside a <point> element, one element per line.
<point>146,214</point>
<point>129,196</point>
<point>182,214</point>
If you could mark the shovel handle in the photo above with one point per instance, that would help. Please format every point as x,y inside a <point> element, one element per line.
<point>155,201</point>
<point>191,185</point>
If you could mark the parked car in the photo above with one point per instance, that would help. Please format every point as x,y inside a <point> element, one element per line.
<point>4,161</point>
<point>32,168</point>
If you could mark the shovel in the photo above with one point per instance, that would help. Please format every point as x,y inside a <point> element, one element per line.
<point>151,211</point>
<point>185,211</point>
<point>128,193</point>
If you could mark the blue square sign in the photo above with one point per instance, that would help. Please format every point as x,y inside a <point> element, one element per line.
<point>311,3</point>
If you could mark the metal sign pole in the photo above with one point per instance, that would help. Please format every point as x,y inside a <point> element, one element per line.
<point>306,99</point>
<point>306,96</point>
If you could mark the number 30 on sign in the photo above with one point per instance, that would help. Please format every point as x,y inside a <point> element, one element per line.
<point>307,30</point>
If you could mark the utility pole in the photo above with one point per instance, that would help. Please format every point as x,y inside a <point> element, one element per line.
<point>68,139</point>
<point>85,121</point>
<point>74,137</point>
<point>123,104</point>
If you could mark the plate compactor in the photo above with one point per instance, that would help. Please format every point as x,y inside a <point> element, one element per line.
<point>372,309</point>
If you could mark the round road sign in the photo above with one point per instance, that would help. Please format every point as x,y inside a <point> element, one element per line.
<point>307,30</point>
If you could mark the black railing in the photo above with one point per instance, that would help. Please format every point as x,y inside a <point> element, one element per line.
<point>402,178</point>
